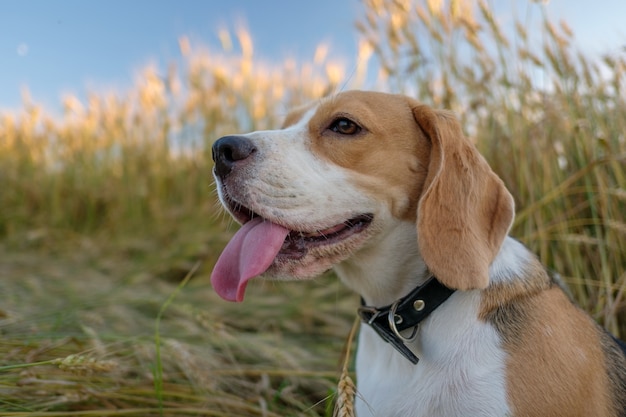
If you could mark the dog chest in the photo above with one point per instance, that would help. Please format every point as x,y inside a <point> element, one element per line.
<point>461,371</point>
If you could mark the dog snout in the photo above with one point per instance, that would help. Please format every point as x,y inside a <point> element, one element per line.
<point>229,151</point>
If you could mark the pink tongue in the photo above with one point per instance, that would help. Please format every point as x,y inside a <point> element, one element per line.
<point>248,254</point>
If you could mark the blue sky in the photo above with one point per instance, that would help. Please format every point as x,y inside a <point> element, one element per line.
<point>70,46</point>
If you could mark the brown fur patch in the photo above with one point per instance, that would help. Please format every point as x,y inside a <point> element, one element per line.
<point>389,155</point>
<point>556,364</point>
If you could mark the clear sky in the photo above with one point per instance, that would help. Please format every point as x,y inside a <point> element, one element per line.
<point>70,46</point>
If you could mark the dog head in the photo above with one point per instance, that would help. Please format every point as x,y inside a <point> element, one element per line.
<point>341,175</point>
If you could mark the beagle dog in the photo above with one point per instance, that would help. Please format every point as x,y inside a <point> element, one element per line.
<point>460,319</point>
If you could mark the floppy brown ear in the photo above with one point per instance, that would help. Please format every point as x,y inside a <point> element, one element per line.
<point>465,211</point>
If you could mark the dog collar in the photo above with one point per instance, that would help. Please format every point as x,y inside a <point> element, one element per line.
<point>405,313</point>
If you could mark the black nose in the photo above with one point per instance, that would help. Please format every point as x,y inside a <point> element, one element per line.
<point>229,150</point>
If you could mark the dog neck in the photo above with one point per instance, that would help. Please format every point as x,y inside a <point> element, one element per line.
<point>387,269</point>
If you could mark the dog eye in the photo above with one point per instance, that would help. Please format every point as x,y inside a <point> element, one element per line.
<point>344,126</point>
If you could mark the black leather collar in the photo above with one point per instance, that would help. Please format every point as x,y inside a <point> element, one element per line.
<point>405,313</point>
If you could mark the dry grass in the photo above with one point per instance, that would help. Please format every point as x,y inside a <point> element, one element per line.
<point>79,336</point>
<point>106,211</point>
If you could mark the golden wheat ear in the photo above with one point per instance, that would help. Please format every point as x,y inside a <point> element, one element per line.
<point>465,211</point>
<point>346,389</point>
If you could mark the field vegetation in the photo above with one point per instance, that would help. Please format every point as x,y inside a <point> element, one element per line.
<point>109,224</point>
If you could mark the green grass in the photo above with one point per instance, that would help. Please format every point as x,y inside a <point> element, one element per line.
<point>104,218</point>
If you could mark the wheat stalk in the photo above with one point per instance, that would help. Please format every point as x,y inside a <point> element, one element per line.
<point>344,407</point>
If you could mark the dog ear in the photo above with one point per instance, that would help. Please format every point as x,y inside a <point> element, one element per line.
<point>465,211</point>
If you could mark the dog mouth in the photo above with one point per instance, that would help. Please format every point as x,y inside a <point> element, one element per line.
<point>297,243</point>
<point>263,244</point>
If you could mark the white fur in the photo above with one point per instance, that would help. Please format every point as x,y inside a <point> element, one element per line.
<point>510,262</point>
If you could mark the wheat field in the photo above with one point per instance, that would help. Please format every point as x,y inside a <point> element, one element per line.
<point>109,222</point>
